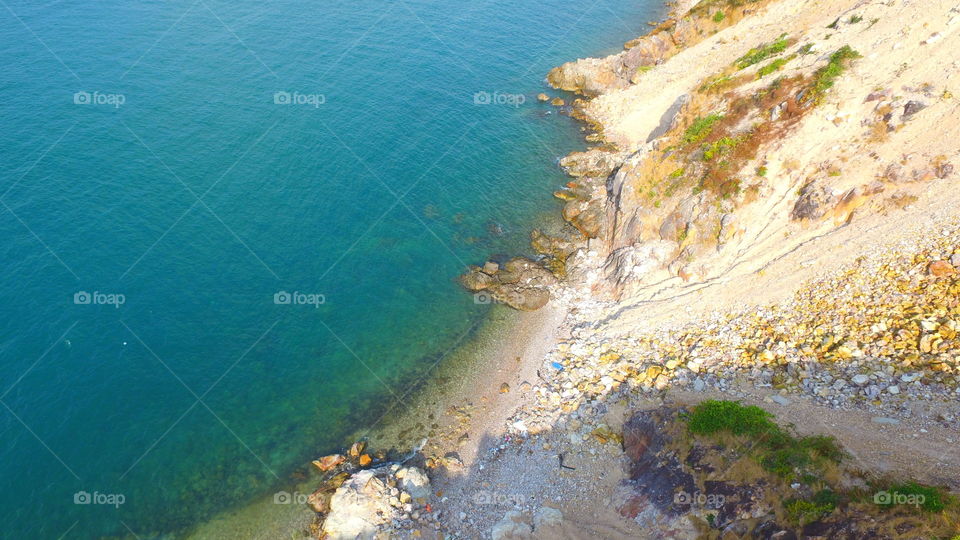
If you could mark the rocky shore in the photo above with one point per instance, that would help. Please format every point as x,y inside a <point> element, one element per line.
<point>759,288</point>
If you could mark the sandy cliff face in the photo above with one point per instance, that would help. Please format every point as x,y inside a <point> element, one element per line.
<point>740,130</point>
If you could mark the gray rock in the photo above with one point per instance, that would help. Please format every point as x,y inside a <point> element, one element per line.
<point>777,398</point>
<point>414,481</point>
<point>884,420</point>
<point>815,199</point>
<point>510,527</point>
<point>490,268</point>
<point>913,107</point>
<point>547,517</point>
<point>910,377</point>
<point>860,380</point>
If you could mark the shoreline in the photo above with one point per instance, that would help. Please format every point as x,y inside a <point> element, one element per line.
<point>519,452</point>
<point>468,377</point>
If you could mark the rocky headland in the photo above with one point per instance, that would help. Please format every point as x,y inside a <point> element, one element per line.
<point>758,289</point>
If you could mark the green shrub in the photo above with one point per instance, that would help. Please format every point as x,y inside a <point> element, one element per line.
<point>827,76</point>
<point>783,461</point>
<point>824,446</point>
<point>773,66</point>
<point>713,416</point>
<point>761,53</point>
<point>719,16</point>
<point>801,511</point>
<point>719,147</point>
<point>700,128</point>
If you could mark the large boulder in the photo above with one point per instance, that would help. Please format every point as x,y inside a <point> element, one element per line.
<point>815,200</point>
<point>511,527</point>
<point>359,508</point>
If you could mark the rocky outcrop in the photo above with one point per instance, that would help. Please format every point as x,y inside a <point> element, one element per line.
<point>595,76</point>
<point>630,266</point>
<point>521,283</point>
<point>359,508</point>
<point>376,503</point>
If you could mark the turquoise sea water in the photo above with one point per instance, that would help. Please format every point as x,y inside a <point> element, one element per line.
<point>183,162</point>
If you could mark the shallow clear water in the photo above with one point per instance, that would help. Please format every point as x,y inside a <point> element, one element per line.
<point>198,157</point>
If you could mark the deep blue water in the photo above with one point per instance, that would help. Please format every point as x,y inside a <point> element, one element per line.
<point>148,150</point>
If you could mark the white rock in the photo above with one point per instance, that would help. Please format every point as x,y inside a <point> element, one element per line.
<point>415,482</point>
<point>359,508</point>
<point>547,517</point>
<point>776,398</point>
<point>511,527</point>
<point>860,380</point>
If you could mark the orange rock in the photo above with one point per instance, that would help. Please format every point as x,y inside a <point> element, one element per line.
<point>365,460</point>
<point>327,463</point>
<point>941,268</point>
<point>357,448</point>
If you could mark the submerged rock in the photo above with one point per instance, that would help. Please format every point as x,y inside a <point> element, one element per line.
<point>520,283</point>
<point>327,463</point>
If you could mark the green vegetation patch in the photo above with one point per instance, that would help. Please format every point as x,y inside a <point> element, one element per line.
<point>827,76</point>
<point>761,53</point>
<point>721,146</point>
<point>719,16</point>
<point>773,66</point>
<point>780,452</point>
<point>714,416</point>
<point>802,511</point>
<point>701,128</point>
